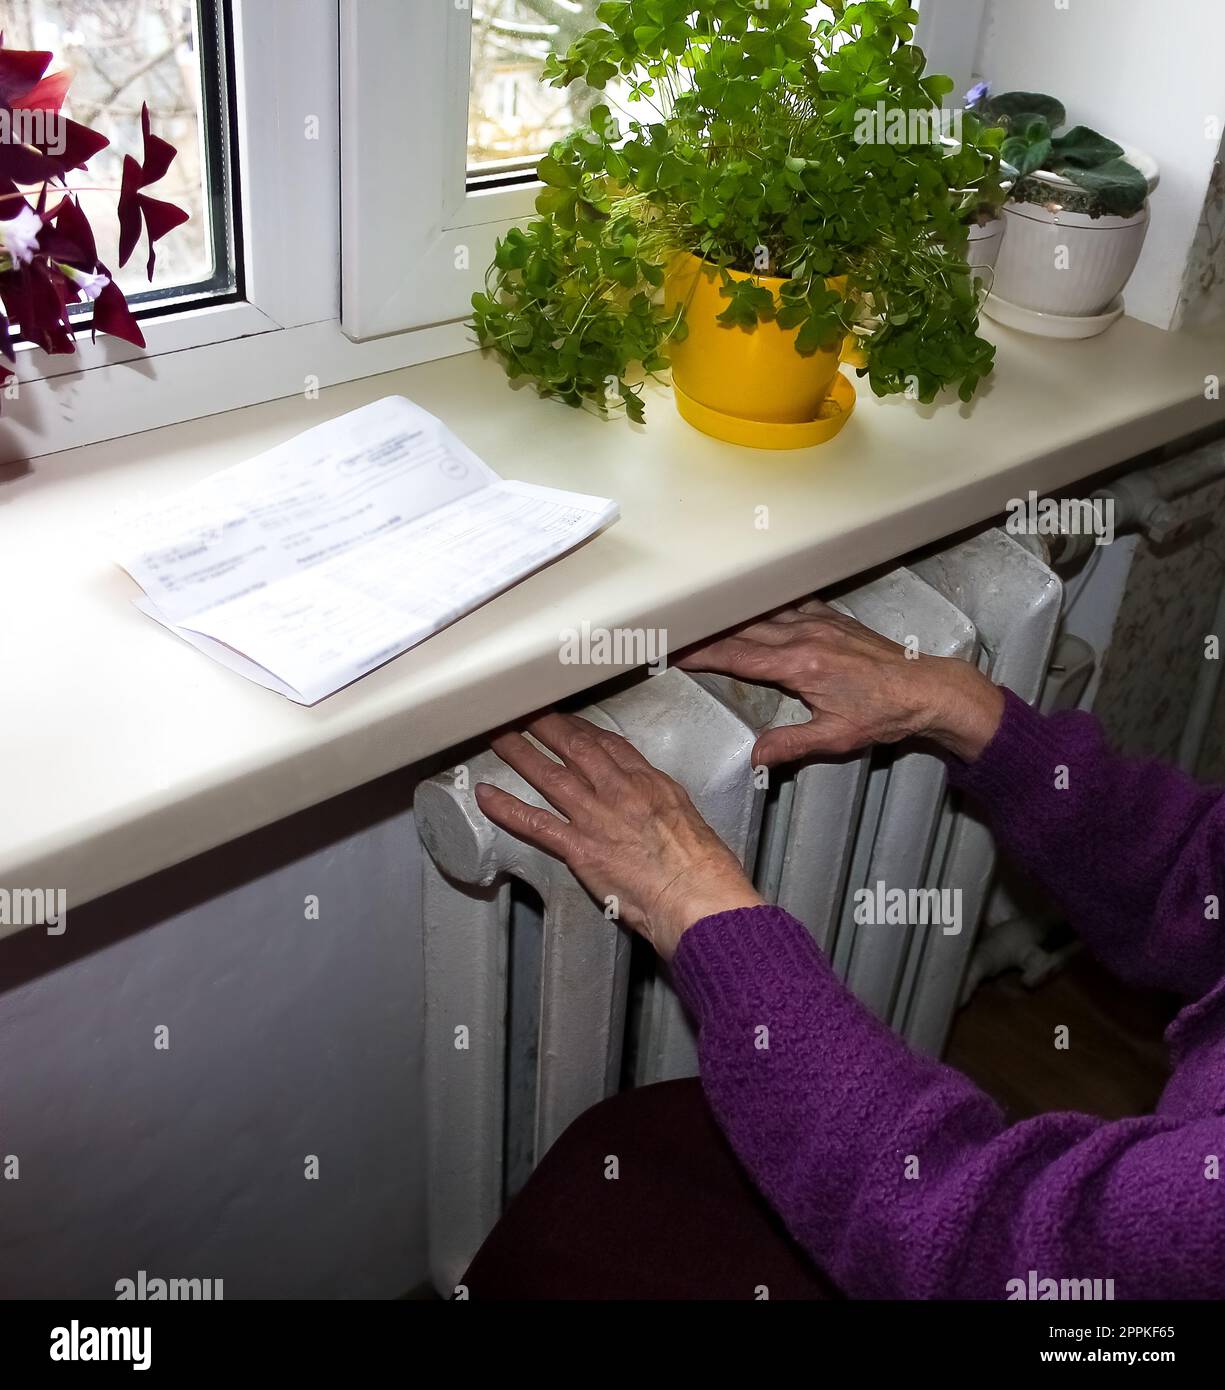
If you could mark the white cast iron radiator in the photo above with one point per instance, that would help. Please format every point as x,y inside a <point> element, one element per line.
<point>812,839</point>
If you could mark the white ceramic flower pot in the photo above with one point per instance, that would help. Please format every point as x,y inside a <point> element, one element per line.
<point>1062,273</point>
<point>1066,263</point>
<point>983,248</point>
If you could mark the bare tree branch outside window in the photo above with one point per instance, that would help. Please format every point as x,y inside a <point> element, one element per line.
<point>511,114</point>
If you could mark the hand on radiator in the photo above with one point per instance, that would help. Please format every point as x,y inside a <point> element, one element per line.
<point>630,833</point>
<point>861,687</point>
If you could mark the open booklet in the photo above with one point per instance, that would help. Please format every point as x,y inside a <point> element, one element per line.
<point>310,565</point>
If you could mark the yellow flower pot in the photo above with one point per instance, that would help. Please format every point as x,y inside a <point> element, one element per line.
<point>749,386</point>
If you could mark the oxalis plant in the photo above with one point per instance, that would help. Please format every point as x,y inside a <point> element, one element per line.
<point>740,132</point>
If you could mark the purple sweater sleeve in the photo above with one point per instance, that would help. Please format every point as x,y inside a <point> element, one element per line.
<point>895,1172</point>
<point>901,1178</point>
<point>1134,852</point>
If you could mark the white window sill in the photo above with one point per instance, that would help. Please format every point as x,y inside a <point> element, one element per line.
<point>124,751</point>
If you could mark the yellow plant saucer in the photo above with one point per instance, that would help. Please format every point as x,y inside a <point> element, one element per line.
<point>835,411</point>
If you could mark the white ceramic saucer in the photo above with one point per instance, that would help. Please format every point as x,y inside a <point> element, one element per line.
<point>1052,325</point>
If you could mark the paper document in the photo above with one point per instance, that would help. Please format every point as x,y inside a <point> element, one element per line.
<point>312,564</point>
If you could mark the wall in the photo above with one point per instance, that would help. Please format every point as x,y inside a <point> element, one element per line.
<point>1212,764</point>
<point>1157,653</point>
<point>1148,76</point>
<point>1203,289</point>
<point>287,1037</point>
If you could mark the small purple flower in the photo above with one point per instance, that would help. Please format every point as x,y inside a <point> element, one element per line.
<point>88,283</point>
<point>980,91</point>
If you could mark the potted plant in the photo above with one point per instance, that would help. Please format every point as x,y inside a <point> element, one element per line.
<point>48,258</point>
<point>1076,217</point>
<point>769,187</point>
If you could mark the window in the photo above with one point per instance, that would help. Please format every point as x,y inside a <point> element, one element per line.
<point>172,55</point>
<point>263,81</point>
<point>513,117</point>
<point>416,238</point>
<point>419,229</point>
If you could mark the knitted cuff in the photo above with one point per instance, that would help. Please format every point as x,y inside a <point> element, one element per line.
<point>719,954</point>
<point>1024,742</point>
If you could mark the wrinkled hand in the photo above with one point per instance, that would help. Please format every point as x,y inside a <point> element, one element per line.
<point>861,687</point>
<point>630,832</point>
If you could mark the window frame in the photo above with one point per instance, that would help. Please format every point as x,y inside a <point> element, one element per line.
<point>284,337</point>
<point>417,238</point>
<point>209,314</point>
<point>218,131</point>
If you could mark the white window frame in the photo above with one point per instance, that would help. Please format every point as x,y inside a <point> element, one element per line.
<point>286,337</point>
<point>416,241</point>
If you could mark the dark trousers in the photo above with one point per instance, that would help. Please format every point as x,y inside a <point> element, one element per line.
<point>680,1219</point>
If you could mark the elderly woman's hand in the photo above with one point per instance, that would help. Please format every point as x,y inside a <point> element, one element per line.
<point>630,832</point>
<point>861,687</point>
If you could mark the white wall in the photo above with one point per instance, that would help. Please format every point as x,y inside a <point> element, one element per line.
<point>287,1037</point>
<point>948,33</point>
<point>1147,75</point>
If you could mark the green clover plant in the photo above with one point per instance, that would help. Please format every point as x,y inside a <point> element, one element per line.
<point>746,135</point>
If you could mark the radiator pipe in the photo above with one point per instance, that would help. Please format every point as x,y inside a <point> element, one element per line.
<point>1141,500</point>
<point>1016,944</point>
<point>1142,503</point>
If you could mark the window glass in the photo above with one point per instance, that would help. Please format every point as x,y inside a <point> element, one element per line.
<point>513,117</point>
<point>170,54</point>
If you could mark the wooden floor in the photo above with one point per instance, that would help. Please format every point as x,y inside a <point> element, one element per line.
<point>1115,1064</point>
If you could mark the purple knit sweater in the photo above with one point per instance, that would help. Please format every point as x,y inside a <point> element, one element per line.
<point>895,1172</point>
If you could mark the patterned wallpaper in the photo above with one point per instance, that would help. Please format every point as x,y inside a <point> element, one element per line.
<point>1212,764</point>
<point>1202,298</point>
<point>1157,652</point>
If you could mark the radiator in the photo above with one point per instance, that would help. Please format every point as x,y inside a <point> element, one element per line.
<point>811,838</point>
<point>1015,603</point>
<point>584,959</point>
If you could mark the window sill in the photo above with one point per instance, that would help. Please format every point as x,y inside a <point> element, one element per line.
<point>125,751</point>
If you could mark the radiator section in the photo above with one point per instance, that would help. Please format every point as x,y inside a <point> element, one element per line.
<point>819,838</point>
